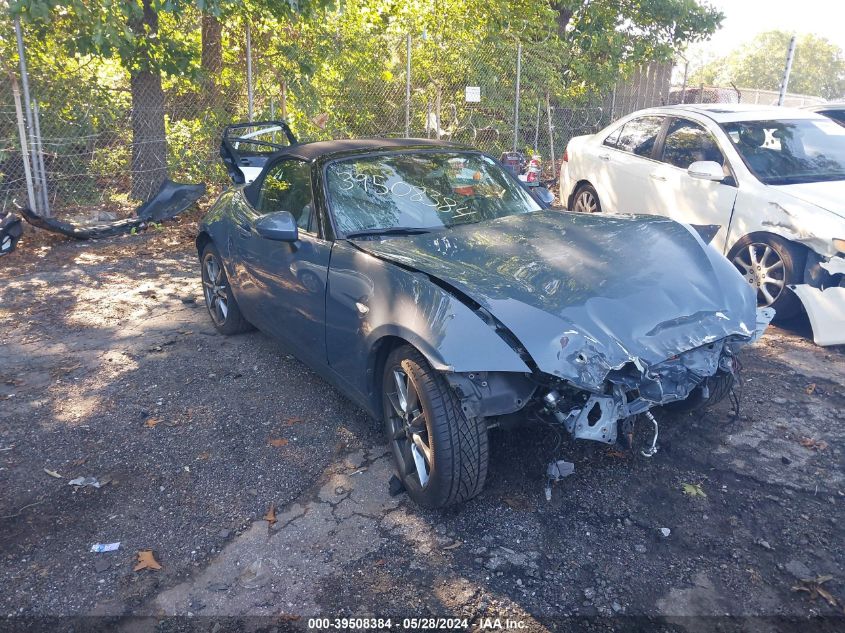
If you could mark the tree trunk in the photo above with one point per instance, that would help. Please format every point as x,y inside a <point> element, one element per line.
<point>149,141</point>
<point>212,46</point>
<point>564,15</point>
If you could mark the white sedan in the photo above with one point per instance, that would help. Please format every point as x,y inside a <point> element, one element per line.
<point>765,185</point>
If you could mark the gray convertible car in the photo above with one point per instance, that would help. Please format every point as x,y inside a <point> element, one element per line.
<point>426,283</point>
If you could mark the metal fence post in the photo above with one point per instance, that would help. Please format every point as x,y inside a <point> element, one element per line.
<point>784,84</point>
<point>408,86</point>
<point>249,71</point>
<point>39,151</point>
<point>516,100</point>
<point>27,104</point>
<point>30,192</point>
<point>551,132</point>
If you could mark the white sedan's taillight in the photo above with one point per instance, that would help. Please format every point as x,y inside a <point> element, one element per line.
<point>566,155</point>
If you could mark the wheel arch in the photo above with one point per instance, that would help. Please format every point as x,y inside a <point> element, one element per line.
<point>203,239</point>
<point>801,250</point>
<point>379,352</point>
<point>571,200</point>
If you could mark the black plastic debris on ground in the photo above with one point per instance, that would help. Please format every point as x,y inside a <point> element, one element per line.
<point>172,199</point>
<point>10,232</point>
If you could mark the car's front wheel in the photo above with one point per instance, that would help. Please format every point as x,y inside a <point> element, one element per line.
<point>440,454</point>
<point>222,307</point>
<point>770,264</point>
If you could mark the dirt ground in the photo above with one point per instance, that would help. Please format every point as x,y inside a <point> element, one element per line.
<point>110,368</point>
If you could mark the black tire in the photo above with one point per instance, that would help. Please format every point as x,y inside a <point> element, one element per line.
<point>769,270</point>
<point>455,466</point>
<point>217,292</point>
<point>718,387</point>
<point>586,199</point>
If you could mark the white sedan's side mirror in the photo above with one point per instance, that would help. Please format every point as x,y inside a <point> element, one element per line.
<point>706,170</point>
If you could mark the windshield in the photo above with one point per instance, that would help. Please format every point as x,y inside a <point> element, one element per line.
<point>421,190</point>
<point>790,152</point>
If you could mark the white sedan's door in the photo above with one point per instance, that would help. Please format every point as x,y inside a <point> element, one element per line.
<point>627,155</point>
<point>676,194</point>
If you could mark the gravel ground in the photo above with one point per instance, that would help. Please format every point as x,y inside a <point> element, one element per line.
<point>111,369</point>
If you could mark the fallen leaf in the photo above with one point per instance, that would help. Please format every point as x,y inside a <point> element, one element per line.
<point>813,586</point>
<point>270,517</point>
<point>292,421</point>
<point>612,452</point>
<point>693,490</point>
<point>79,462</point>
<point>289,617</point>
<point>151,423</point>
<point>278,442</point>
<point>204,455</point>
<point>380,562</point>
<point>146,560</point>
<point>454,545</point>
<point>516,503</point>
<point>810,389</point>
<point>53,473</point>
<point>813,444</point>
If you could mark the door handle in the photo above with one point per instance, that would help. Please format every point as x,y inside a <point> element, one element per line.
<point>604,157</point>
<point>656,176</point>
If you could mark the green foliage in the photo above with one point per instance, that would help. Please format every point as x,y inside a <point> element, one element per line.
<point>338,69</point>
<point>818,67</point>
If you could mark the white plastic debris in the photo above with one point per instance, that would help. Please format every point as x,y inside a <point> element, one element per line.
<point>85,481</point>
<point>665,532</point>
<point>105,547</point>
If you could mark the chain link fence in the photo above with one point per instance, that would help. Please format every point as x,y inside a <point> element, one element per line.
<point>81,121</point>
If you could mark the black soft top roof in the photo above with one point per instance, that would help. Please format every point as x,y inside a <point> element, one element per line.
<point>320,149</point>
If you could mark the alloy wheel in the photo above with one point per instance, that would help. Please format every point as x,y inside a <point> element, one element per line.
<point>408,428</point>
<point>214,289</point>
<point>763,268</point>
<point>586,202</point>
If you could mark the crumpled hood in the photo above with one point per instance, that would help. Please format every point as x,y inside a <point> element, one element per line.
<point>829,196</point>
<point>588,293</point>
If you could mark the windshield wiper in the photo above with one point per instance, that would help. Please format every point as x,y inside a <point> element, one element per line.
<point>392,230</point>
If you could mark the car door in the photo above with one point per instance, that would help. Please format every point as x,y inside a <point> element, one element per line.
<point>283,284</point>
<point>622,184</point>
<point>676,194</point>
<point>245,148</point>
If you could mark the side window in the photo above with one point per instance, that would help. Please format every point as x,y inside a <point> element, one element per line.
<point>613,138</point>
<point>639,135</point>
<point>687,142</point>
<point>287,187</point>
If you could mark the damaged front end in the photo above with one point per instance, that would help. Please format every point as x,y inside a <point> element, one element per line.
<point>607,414</point>
<point>823,297</point>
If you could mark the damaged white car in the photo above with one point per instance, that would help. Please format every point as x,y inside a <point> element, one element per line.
<point>766,185</point>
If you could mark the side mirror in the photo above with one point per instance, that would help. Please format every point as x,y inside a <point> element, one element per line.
<point>543,195</point>
<point>706,170</point>
<point>279,226</point>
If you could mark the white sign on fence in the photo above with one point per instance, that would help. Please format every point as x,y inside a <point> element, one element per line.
<point>473,94</point>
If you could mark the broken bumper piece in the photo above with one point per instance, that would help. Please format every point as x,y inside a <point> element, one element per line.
<point>826,311</point>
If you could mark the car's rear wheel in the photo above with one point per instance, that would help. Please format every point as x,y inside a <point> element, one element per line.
<point>440,454</point>
<point>770,264</point>
<point>586,200</point>
<point>222,307</point>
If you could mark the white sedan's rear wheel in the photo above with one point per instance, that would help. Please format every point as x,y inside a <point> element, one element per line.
<point>586,200</point>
